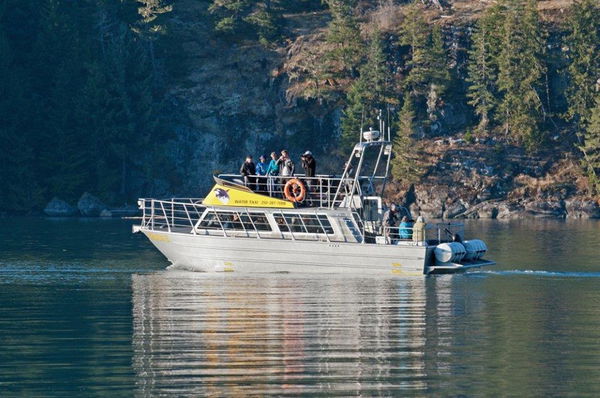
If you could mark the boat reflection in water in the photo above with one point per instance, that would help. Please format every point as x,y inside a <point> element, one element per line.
<point>206,334</point>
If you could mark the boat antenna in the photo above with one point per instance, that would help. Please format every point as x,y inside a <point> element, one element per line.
<point>362,121</point>
<point>388,123</point>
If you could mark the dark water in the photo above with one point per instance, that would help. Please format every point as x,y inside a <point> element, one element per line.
<point>86,309</point>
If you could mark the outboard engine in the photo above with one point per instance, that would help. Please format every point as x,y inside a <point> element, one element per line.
<point>452,252</point>
<point>475,248</point>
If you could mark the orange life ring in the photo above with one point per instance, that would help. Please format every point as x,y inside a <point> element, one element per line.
<point>294,190</point>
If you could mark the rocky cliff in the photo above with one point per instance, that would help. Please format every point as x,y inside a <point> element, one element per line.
<point>235,98</point>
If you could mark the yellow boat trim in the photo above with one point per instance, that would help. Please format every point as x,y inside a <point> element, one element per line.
<point>222,195</point>
<point>157,237</point>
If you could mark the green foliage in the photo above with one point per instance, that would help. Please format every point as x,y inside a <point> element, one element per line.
<point>152,14</point>
<point>79,106</point>
<point>483,70</point>
<point>405,164</point>
<point>521,70</point>
<point>428,74</point>
<point>20,190</point>
<point>583,42</point>
<point>236,17</point>
<point>591,148</point>
<point>346,48</point>
<point>368,95</point>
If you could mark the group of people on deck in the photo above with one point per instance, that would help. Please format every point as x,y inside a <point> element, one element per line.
<point>407,229</point>
<point>256,176</point>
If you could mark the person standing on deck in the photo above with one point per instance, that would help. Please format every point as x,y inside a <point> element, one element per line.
<point>272,171</point>
<point>286,168</point>
<point>309,164</point>
<point>286,165</point>
<point>405,228</point>
<point>390,219</point>
<point>419,230</point>
<point>248,170</point>
<point>261,170</point>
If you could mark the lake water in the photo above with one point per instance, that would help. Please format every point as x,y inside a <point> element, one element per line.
<point>86,308</point>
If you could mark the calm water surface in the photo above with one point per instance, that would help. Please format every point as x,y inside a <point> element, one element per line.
<point>86,308</point>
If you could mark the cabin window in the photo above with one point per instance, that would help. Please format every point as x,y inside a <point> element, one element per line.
<point>304,223</point>
<point>235,221</point>
<point>256,220</point>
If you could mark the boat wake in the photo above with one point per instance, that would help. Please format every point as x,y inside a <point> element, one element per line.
<point>560,274</point>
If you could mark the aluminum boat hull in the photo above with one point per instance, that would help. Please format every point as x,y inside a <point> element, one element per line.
<point>247,255</point>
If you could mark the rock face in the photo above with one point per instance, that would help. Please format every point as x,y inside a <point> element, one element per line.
<point>59,208</point>
<point>582,208</point>
<point>90,206</point>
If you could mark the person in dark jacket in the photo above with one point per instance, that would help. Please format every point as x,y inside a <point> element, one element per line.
<point>390,219</point>
<point>248,170</point>
<point>308,164</point>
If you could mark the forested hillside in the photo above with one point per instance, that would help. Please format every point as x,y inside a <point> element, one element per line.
<point>491,102</point>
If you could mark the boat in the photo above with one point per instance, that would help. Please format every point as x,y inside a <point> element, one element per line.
<point>320,224</point>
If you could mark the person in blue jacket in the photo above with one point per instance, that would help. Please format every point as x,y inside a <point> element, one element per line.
<point>405,228</point>
<point>261,170</point>
<point>272,171</point>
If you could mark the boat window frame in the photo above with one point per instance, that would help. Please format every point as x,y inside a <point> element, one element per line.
<point>286,220</point>
<point>248,221</point>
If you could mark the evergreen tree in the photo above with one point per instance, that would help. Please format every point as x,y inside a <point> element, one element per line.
<point>368,95</point>
<point>343,36</point>
<point>405,165</point>
<point>482,89</point>
<point>152,23</point>
<point>267,21</point>
<point>583,43</point>
<point>237,16</point>
<point>521,69</point>
<point>428,77</point>
<point>415,33</point>
<point>230,14</point>
<point>591,148</point>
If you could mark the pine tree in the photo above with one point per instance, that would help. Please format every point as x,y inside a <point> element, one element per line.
<point>521,69</point>
<point>415,33</point>
<point>230,14</point>
<point>482,89</point>
<point>260,17</point>
<point>368,95</point>
<point>266,20</point>
<point>428,77</point>
<point>20,189</point>
<point>583,43</point>
<point>152,14</point>
<point>343,36</point>
<point>591,148</point>
<point>405,166</point>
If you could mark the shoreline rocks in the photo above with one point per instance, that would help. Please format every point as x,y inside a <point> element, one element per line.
<point>90,206</point>
<point>59,208</point>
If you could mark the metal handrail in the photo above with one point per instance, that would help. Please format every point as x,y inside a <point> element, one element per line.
<point>323,189</point>
<point>184,217</point>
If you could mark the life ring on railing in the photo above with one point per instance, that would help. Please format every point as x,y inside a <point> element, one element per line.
<point>294,190</point>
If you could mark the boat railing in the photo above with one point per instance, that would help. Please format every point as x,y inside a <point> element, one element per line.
<point>179,215</point>
<point>323,191</point>
<point>184,216</point>
<point>433,233</point>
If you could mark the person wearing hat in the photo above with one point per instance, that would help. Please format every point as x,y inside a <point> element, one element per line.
<point>308,164</point>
